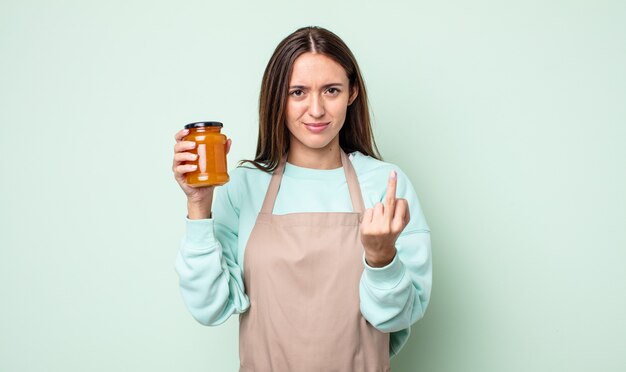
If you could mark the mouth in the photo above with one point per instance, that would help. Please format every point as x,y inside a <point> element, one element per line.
<point>317,124</point>
<point>316,127</point>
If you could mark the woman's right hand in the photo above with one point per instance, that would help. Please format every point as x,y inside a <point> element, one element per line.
<point>182,154</point>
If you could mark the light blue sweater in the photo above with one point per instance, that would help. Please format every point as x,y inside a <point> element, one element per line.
<point>210,260</point>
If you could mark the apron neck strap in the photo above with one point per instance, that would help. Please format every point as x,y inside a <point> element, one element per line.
<point>351,178</point>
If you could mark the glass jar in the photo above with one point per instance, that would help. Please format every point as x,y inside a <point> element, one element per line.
<point>211,151</point>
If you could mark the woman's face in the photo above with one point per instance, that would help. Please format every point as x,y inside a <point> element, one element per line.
<point>318,99</point>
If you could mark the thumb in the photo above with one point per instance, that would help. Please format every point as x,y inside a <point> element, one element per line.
<point>229,142</point>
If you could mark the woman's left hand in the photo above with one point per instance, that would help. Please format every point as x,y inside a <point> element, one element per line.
<point>382,225</point>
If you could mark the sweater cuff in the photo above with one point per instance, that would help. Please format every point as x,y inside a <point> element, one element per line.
<point>386,277</point>
<point>200,234</point>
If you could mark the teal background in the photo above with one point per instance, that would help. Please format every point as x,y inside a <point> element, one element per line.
<point>508,116</point>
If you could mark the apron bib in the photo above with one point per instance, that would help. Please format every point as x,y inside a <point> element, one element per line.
<point>301,274</point>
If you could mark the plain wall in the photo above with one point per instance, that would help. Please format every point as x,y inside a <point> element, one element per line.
<point>508,116</point>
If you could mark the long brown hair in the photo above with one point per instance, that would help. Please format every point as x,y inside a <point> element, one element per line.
<point>273,141</point>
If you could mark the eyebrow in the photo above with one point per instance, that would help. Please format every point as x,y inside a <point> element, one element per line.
<point>325,86</point>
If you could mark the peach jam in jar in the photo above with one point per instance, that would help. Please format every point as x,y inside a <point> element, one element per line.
<point>211,151</point>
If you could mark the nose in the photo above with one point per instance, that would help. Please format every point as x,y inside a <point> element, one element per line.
<point>316,106</point>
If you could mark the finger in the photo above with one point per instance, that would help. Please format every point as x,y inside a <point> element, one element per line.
<point>367,216</point>
<point>184,146</point>
<point>180,134</point>
<point>407,215</point>
<point>228,144</point>
<point>184,168</point>
<point>180,157</point>
<point>379,211</point>
<point>400,217</point>
<point>390,198</point>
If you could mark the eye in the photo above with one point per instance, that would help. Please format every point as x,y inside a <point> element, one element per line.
<point>296,93</point>
<point>333,91</point>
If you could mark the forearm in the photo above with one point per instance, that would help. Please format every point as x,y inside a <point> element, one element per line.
<point>380,260</point>
<point>210,282</point>
<point>395,296</point>
<point>199,210</point>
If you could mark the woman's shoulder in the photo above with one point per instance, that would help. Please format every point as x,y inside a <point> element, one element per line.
<point>365,165</point>
<point>245,174</point>
<point>373,176</point>
<point>245,181</point>
<point>247,170</point>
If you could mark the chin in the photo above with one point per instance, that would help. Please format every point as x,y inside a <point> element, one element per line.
<point>316,146</point>
<point>317,143</point>
<point>314,141</point>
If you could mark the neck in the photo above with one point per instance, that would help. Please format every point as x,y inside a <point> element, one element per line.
<point>328,157</point>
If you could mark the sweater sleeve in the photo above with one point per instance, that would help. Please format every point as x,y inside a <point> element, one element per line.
<point>210,277</point>
<point>396,296</point>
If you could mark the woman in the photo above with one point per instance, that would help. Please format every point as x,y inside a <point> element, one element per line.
<point>321,247</point>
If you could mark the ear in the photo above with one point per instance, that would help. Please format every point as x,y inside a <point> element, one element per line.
<point>355,93</point>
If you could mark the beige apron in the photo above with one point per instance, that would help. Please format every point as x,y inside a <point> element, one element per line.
<point>301,274</point>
